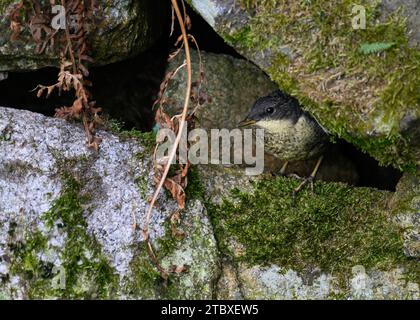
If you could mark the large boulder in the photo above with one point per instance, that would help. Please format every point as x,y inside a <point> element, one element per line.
<point>67,215</point>
<point>361,84</point>
<point>122,29</point>
<point>338,242</point>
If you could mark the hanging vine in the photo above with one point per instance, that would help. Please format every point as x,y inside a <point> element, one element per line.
<point>178,180</point>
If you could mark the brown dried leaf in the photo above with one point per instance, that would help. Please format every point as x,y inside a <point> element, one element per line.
<point>188,23</point>
<point>39,92</point>
<point>16,28</point>
<point>77,106</point>
<point>178,269</point>
<point>176,191</point>
<point>50,89</point>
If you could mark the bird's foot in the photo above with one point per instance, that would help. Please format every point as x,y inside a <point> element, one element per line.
<point>309,180</point>
<point>283,168</point>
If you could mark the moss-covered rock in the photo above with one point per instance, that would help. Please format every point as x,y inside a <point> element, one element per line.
<point>361,84</point>
<point>67,215</point>
<point>197,252</point>
<point>121,29</point>
<point>273,282</point>
<point>405,205</point>
<point>318,245</point>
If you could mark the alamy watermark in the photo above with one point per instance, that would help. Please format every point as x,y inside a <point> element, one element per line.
<point>59,20</point>
<point>59,279</point>
<point>358,20</point>
<point>215,147</point>
<point>359,17</point>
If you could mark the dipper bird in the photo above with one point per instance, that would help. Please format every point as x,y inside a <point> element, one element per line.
<point>290,133</point>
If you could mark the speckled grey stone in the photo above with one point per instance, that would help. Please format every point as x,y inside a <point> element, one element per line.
<point>34,152</point>
<point>33,148</point>
<point>274,282</point>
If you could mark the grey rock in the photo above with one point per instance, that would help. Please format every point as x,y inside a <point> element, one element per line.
<point>411,10</point>
<point>406,208</point>
<point>199,252</point>
<point>228,286</point>
<point>273,282</point>
<point>39,157</point>
<point>218,180</point>
<point>245,280</point>
<point>123,28</point>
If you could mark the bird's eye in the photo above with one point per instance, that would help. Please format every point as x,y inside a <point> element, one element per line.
<point>269,110</point>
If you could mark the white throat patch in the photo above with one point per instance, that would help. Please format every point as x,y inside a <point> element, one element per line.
<point>276,126</point>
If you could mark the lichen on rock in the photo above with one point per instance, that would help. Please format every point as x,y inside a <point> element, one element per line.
<point>196,252</point>
<point>67,214</point>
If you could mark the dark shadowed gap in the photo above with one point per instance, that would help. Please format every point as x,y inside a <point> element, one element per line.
<point>125,90</point>
<point>370,173</point>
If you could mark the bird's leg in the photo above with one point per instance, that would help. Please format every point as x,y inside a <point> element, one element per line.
<point>283,168</point>
<point>309,179</point>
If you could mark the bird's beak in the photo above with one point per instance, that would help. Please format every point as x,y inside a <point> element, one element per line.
<point>246,122</point>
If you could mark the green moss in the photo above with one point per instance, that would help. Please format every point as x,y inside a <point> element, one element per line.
<point>333,229</point>
<point>87,273</point>
<point>376,90</point>
<point>147,281</point>
<point>242,37</point>
<point>147,139</point>
<point>195,188</point>
<point>172,250</point>
<point>82,254</point>
<point>148,284</point>
<point>25,261</point>
<point>4,137</point>
<point>84,270</point>
<point>142,184</point>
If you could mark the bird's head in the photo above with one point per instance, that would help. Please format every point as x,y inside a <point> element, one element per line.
<point>273,112</point>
